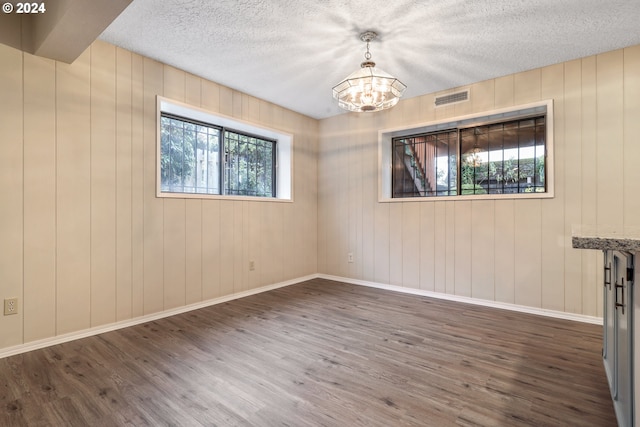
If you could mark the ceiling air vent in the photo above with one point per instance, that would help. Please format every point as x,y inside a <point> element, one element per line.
<point>452,98</point>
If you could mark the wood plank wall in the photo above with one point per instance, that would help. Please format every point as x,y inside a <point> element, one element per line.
<point>513,251</point>
<point>84,240</point>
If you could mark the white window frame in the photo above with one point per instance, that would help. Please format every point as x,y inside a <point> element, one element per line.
<point>284,150</point>
<point>386,136</point>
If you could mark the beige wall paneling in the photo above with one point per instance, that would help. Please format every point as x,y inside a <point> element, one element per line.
<point>254,110</point>
<point>73,170</point>
<point>369,196</point>
<point>103,184</point>
<point>337,146</point>
<point>240,263</point>
<point>450,247</point>
<point>245,243</point>
<point>272,244</point>
<point>266,112</point>
<point>410,110</point>
<point>504,248</point>
<point>354,195</point>
<point>211,249</point>
<point>226,101</point>
<point>631,146</point>
<point>154,265</point>
<point>483,249</point>
<point>554,239</point>
<point>124,186</point>
<point>193,211</point>
<point>483,95</point>
<point>591,260</point>
<point>293,232</point>
<point>310,177</point>
<point>256,231</point>
<point>291,219</point>
<point>572,168</point>
<point>381,267</point>
<point>440,245</point>
<point>528,257</point>
<point>227,252</point>
<point>444,112</point>
<point>39,301</point>
<point>340,188</point>
<point>137,185</point>
<point>395,244</point>
<point>194,253</point>
<point>236,102</point>
<point>174,261</point>
<point>462,248</point>
<point>527,86</point>
<point>610,96</point>
<point>11,191</point>
<point>323,199</point>
<point>174,224</point>
<point>504,91</point>
<point>427,236</point>
<point>305,203</point>
<point>411,244</point>
<point>465,108</point>
<point>325,196</point>
<point>210,96</point>
<point>245,107</point>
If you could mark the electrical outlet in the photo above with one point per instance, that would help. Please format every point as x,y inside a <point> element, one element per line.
<point>10,306</point>
<point>350,257</point>
<point>252,265</point>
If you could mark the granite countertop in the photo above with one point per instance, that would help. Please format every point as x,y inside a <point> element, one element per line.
<point>602,237</point>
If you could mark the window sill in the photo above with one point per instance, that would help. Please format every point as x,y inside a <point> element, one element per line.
<point>201,196</point>
<point>468,197</point>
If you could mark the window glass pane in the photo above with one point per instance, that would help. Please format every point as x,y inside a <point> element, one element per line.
<point>185,161</point>
<point>249,167</point>
<point>496,158</point>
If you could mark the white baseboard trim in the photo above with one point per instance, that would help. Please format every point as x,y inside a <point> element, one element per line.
<point>494,304</point>
<point>71,336</point>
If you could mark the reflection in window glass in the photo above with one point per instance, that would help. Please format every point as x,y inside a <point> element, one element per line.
<point>496,158</point>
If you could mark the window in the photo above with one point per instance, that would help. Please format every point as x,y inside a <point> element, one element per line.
<point>202,158</point>
<point>501,154</point>
<point>202,155</point>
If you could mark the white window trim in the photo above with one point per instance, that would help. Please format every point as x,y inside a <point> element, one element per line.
<point>385,166</point>
<point>284,150</point>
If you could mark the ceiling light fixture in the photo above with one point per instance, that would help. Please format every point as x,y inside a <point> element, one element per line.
<point>369,88</point>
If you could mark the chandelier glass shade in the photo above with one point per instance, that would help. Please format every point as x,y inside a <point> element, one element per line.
<point>369,88</point>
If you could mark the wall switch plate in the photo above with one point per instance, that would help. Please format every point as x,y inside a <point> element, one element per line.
<point>252,265</point>
<point>10,306</point>
<point>350,257</point>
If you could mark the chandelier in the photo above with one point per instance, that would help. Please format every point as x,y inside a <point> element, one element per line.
<point>369,88</point>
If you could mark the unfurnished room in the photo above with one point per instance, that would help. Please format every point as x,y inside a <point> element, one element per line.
<point>319,213</point>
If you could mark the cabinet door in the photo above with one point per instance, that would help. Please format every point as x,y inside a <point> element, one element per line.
<point>608,336</point>
<point>623,303</point>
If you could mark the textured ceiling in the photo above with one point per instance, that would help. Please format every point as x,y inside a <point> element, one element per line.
<point>292,52</point>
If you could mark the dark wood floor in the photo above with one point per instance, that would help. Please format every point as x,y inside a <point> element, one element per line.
<point>320,353</point>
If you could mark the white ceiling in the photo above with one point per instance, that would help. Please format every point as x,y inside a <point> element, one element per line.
<point>292,52</point>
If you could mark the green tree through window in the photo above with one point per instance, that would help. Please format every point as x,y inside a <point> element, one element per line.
<point>195,158</point>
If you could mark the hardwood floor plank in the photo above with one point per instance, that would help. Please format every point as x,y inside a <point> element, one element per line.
<point>319,353</point>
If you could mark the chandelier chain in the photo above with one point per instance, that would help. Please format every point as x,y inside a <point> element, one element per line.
<point>367,55</point>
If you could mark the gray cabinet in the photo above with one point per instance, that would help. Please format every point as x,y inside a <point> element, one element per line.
<point>617,349</point>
